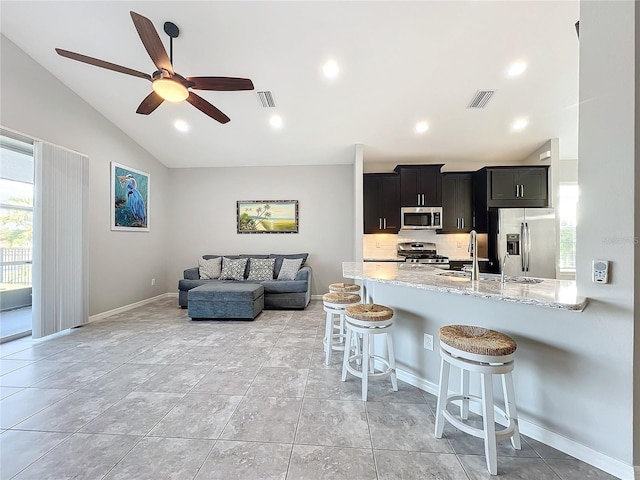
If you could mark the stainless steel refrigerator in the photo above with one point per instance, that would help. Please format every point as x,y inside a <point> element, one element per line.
<point>529,235</point>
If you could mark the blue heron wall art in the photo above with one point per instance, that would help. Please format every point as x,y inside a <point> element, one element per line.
<point>130,198</point>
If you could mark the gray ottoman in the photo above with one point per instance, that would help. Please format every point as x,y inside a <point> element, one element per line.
<point>226,300</point>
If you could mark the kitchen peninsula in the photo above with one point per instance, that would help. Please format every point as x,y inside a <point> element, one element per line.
<point>544,319</point>
<point>552,293</point>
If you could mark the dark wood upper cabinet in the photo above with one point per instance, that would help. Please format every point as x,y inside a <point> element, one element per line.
<point>381,202</point>
<point>420,185</point>
<point>518,187</point>
<point>457,202</point>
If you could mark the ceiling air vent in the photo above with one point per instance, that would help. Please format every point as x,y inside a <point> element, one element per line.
<point>481,98</point>
<point>266,99</point>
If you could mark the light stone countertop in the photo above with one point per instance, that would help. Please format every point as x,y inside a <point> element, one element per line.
<point>560,294</point>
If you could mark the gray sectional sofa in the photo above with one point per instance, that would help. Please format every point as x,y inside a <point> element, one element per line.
<point>278,294</point>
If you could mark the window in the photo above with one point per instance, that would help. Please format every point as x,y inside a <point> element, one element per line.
<point>567,215</point>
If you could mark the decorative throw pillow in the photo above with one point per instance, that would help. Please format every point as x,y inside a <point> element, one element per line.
<point>233,269</point>
<point>261,268</point>
<point>289,269</point>
<point>210,269</point>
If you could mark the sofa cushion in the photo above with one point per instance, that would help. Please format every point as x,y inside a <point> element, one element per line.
<point>284,286</point>
<point>211,268</point>
<point>261,268</point>
<point>233,269</point>
<point>290,267</point>
<point>279,258</point>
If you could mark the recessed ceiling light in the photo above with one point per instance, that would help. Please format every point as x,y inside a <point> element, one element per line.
<point>519,124</point>
<point>331,69</point>
<point>516,69</point>
<point>421,127</point>
<point>276,121</point>
<point>181,125</point>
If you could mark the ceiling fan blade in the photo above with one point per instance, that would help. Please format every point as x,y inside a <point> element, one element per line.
<point>151,41</point>
<point>220,83</point>
<point>150,103</point>
<point>101,63</point>
<point>206,108</point>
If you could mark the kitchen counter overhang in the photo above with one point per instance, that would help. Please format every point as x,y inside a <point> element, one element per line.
<point>558,294</point>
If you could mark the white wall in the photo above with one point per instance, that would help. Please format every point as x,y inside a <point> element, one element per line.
<point>202,208</point>
<point>606,175</point>
<point>121,264</point>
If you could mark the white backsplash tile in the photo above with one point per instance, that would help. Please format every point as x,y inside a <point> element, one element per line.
<point>450,245</point>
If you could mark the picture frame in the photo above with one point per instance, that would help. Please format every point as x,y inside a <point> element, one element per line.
<point>267,216</point>
<point>130,195</point>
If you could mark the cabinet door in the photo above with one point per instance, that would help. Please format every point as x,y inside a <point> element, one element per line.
<point>430,185</point>
<point>381,195</point>
<point>518,187</point>
<point>421,186</point>
<point>533,183</point>
<point>503,184</point>
<point>371,195</point>
<point>390,203</point>
<point>457,202</point>
<point>409,179</point>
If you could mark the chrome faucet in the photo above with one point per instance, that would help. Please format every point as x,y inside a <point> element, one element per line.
<point>473,252</point>
<point>503,266</point>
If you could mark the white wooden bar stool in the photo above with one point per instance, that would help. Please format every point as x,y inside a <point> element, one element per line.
<point>334,304</point>
<point>487,352</point>
<point>343,288</point>
<point>368,319</point>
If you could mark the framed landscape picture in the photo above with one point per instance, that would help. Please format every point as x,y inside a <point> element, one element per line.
<point>129,199</point>
<point>267,216</point>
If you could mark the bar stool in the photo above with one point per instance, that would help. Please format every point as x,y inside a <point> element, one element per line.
<point>334,304</point>
<point>487,352</point>
<point>368,319</point>
<point>344,288</point>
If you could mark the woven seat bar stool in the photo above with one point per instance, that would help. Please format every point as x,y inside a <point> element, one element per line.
<point>344,288</point>
<point>334,304</point>
<point>487,352</point>
<point>368,319</point>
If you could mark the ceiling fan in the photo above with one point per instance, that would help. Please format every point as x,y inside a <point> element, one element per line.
<point>167,84</point>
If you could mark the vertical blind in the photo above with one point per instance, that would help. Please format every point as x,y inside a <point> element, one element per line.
<point>60,265</point>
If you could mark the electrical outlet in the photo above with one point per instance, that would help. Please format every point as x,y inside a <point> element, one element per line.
<point>458,244</point>
<point>428,341</point>
<point>153,282</point>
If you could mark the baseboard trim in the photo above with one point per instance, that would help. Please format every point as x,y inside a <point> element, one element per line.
<point>570,447</point>
<point>131,306</point>
<point>316,297</point>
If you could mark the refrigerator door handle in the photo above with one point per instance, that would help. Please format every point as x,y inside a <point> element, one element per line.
<point>523,247</point>
<point>528,260</point>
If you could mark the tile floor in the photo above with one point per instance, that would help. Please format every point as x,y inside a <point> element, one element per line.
<point>150,394</point>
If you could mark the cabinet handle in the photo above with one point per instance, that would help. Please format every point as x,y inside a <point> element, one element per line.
<point>423,199</point>
<point>462,222</point>
<point>385,223</point>
<point>380,223</point>
<point>522,190</point>
<point>457,223</point>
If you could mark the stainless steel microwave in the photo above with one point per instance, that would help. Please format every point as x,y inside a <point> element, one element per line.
<point>421,218</point>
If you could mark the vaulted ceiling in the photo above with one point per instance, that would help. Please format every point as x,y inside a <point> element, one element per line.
<point>399,63</point>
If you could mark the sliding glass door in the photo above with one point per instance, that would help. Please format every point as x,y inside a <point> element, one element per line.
<point>16,237</point>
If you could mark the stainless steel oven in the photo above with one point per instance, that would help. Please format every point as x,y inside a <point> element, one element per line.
<point>421,218</point>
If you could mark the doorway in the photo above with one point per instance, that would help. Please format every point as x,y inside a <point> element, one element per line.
<point>16,237</point>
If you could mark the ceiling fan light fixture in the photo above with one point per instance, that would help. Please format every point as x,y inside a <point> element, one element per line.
<point>170,90</point>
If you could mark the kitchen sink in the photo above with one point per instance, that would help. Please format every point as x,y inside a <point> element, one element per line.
<point>492,277</point>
